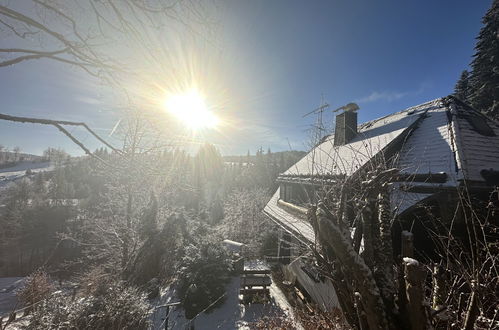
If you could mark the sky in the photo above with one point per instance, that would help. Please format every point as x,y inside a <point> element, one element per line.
<point>265,65</point>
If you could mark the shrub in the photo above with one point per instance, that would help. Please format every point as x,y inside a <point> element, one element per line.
<point>94,282</point>
<point>204,273</point>
<point>119,307</point>
<point>37,287</point>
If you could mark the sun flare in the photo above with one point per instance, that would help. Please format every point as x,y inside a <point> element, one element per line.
<point>190,108</point>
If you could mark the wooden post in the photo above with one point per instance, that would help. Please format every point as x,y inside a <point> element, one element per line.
<point>406,251</point>
<point>407,244</point>
<point>414,281</point>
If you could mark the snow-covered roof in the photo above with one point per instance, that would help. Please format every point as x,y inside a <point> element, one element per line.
<point>290,221</point>
<point>372,137</point>
<point>439,136</point>
<point>476,151</point>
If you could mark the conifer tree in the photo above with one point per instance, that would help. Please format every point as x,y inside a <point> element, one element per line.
<point>462,88</point>
<point>485,74</point>
<point>148,224</point>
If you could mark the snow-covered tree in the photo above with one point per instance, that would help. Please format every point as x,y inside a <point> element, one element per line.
<point>462,88</point>
<point>485,65</point>
<point>148,222</point>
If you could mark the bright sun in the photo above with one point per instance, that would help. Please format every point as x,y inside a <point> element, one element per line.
<point>190,108</point>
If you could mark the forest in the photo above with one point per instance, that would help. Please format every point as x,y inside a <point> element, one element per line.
<point>87,226</point>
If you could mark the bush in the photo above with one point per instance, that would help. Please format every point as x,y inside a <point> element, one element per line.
<point>119,307</point>
<point>37,287</point>
<point>204,273</point>
<point>94,282</point>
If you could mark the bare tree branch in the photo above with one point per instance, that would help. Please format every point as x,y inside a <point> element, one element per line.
<point>58,123</point>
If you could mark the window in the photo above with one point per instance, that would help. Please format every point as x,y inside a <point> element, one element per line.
<point>299,194</point>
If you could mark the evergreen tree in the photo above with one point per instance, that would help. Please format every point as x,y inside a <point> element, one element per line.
<point>148,223</point>
<point>216,211</point>
<point>462,88</point>
<point>282,163</point>
<point>485,75</point>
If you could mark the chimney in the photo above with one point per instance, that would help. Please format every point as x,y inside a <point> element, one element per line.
<point>346,128</point>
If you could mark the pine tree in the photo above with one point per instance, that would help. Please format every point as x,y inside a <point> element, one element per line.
<point>148,223</point>
<point>462,88</point>
<point>485,75</point>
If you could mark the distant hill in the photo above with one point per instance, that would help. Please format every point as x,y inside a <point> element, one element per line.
<point>11,158</point>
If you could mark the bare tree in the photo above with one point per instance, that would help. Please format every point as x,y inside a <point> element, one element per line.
<point>16,151</point>
<point>114,41</point>
<point>88,34</point>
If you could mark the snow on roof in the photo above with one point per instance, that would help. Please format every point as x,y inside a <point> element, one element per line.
<point>373,136</point>
<point>429,148</point>
<point>449,137</point>
<point>444,140</point>
<point>232,246</point>
<point>476,151</point>
<point>321,292</point>
<point>288,220</point>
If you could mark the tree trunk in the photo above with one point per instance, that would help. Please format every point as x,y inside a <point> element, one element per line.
<point>472,311</point>
<point>341,244</point>
<point>126,238</point>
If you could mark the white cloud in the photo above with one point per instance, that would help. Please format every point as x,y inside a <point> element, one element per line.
<point>387,96</point>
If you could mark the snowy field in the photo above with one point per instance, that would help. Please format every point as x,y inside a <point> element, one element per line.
<point>8,299</point>
<point>230,315</point>
<point>7,175</point>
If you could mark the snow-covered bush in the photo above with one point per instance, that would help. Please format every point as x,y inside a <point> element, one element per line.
<point>244,220</point>
<point>203,275</point>
<point>118,307</point>
<point>37,287</point>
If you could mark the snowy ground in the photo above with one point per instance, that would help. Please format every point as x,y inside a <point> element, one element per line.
<point>12,173</point>
<point>8,175</point>
<point>8,299</point>
<point>230,315</point>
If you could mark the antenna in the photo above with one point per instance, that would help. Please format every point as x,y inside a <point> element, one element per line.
<point>318,127</point>
<point>318,110</point>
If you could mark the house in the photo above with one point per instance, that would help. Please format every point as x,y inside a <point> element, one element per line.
<point>439,148</point>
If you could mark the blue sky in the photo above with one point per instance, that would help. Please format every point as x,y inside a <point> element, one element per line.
<point>272,61</point>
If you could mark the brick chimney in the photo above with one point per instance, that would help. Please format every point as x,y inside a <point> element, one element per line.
<point>346,128</point>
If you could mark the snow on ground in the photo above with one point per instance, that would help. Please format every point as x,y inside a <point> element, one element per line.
<point>230,315</point>
<point>23,166</point>
<point>9,174</point>
<point>8,299</point>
